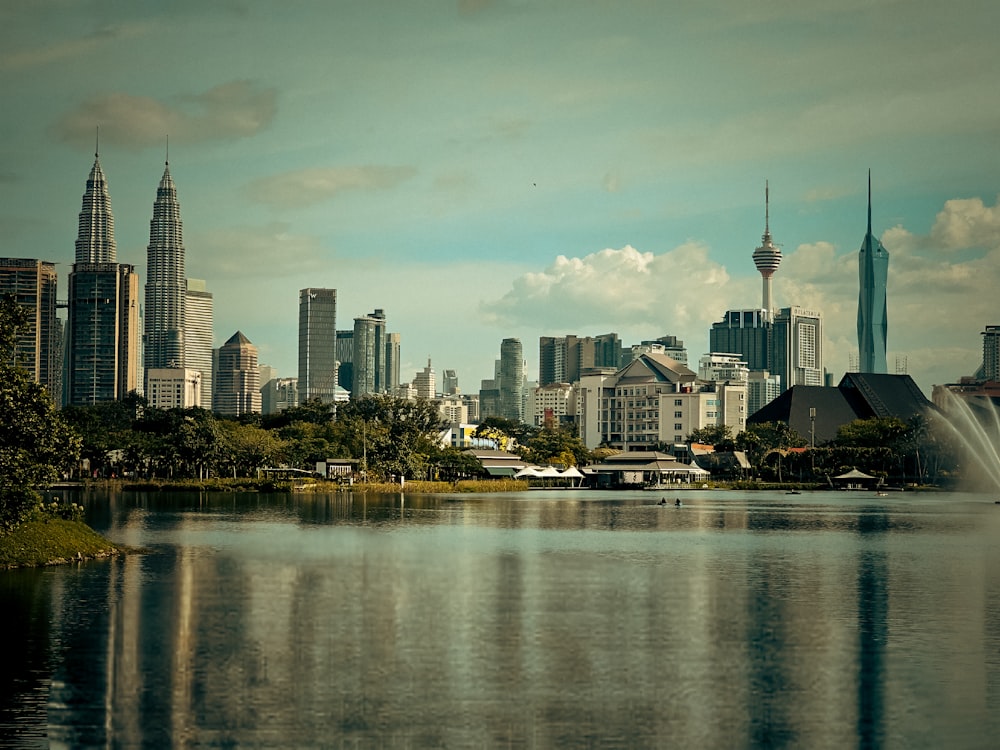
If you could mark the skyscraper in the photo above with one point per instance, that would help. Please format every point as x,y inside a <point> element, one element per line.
<point>561,359</point>
<point>33,284</point>
<point>237,382</point>
<point>102,339</point>
<point>198,335</point>
<point>369,354</point>
<point>392,354</point>
<point>990,369</point>
<point>767,257</point>
<point>166,285</point>
<point>317,345</point>
<point>873,272</point>
<point>511,380</point>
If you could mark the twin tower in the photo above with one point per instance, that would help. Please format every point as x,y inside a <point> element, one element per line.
<point>107,354</point>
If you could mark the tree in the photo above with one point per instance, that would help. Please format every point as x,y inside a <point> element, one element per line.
<point>506,432</point>
<point>556,445</point>
<point>719,436</point>
<point>393,436</point>
<point>36,444</point>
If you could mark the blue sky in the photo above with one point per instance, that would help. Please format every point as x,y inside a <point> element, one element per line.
<point>490,168</point>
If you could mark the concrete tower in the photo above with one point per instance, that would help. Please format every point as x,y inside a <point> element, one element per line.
<point>166,284</point>
<point>767,257</point>
<point>873,272</point>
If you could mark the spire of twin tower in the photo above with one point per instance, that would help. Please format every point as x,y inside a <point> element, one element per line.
<point>166,282</point>
<point>95,239</point>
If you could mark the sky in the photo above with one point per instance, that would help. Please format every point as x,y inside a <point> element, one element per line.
<point>485,169</point>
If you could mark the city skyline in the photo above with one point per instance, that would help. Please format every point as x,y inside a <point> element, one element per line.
<point>488,170</point>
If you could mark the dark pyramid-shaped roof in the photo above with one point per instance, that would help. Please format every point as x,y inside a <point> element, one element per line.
<point>886,395</point>
<point>858,396</point>
<point>238,339</point>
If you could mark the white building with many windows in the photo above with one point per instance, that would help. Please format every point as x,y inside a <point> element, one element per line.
<point>652,401</point>
<point>173,387</point>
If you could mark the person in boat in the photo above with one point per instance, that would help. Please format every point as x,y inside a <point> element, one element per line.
<point>663,501</point>
<point>677,503</point>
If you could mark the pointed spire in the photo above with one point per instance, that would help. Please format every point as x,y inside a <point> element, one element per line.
<point>869,200</point>
<point>767,211</point>
<point>97,143</point>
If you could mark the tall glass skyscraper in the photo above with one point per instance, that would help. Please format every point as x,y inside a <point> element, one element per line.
<point>873,325</point>
<point>166,285</point>
<point>511,379</point>
<point>199,335</point>
<point>369,354</point>
<point>317,345</point>
<point>102,338</point>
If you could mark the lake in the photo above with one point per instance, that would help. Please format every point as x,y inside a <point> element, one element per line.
<point>571,618</point>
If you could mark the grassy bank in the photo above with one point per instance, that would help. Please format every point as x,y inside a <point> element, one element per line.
<point>52,541</point>
<point>226,484</point>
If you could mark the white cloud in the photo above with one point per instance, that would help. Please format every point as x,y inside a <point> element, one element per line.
<point>237,109</point>
<point>304,187</point>
<point>967,223</point>
<point>681,290</point>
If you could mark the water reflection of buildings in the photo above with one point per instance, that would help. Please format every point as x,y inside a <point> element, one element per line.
<point>516,632</point>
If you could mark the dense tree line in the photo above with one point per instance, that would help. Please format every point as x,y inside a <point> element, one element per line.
<point>887,447</point>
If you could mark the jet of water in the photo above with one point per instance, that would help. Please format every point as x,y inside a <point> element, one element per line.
<point>976,429</point>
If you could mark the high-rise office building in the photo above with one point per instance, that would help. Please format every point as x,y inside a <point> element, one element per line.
<point>990,370</point>
<point>744,332</point>
<point>237,378</point>
<point>317,345</point>
<point>797,347</point>
<point>561,359</point>
<point>767,257</point>
<point>32,283</point>
<point>198,335</point>
<point>873,273</point>
<point>369,354</point>
<point>393,345</point>
<point>102,336</point>
<point>511,380</point>
<point>166,286</point>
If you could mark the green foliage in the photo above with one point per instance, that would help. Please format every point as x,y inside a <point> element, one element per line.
<point>36,444</point>
<point>556,445</point>
<point>720,436</point>
<point>877,432</point>
<point>47,540</point>
<point>393,436</point>
<point>506,432</point>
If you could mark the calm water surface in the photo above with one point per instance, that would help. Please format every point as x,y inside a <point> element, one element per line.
<point>575,619</point>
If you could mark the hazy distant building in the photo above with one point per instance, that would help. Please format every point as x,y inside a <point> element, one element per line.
<point>392,354</point>
<point>166,285</point>
<point>278,394</point>
<point>237,380</point>
<point>511,381</point>
<point>102,331</point>
<point>425,382</point>
<point>317,345</point>
<point>449,383</point>
<point>173,388</point>
<point>199,337</point>
<point>873,325</point>
<point>32,283</point>
<point>561,359</point>
<point>553,404</point>
<point>762,389</point>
